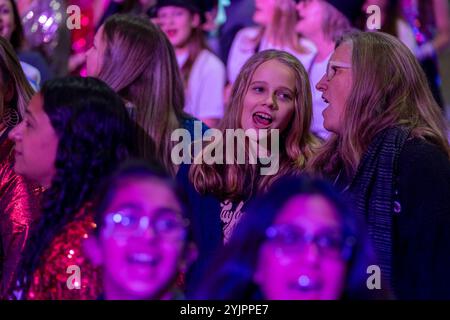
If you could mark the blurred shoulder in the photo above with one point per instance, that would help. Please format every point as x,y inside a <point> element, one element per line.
<point>246,36</point>
<point>213,62</point>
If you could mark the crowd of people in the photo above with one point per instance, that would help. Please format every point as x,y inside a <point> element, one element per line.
<point>316,152</point>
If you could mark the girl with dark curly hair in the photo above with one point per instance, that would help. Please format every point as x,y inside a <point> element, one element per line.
<point>74,133</point>
<point>18,204</point>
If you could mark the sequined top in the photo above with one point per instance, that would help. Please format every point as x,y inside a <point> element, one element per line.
<point>65,272</point>
<point>19,207</point>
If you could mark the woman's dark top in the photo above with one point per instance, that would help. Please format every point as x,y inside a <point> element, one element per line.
<point>420,225</point>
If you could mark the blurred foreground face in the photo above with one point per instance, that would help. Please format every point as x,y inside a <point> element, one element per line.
<point>303,256</point>
<point>141,245</point>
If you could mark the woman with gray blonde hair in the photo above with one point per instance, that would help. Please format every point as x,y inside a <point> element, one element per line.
<point>390,155</point>
<point>324,22</point>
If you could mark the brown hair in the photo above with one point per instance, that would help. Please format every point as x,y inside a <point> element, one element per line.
<point>334,24</point>
<point>140,65</point>
<point>236,181</point>
<point>195,44</point>
<point>12,73</point>
<point>389,89</point>
<point>17,37</point>
<point>281,28</point>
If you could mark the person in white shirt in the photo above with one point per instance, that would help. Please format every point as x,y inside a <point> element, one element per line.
<point>203,73</point>
<point>276,20</point>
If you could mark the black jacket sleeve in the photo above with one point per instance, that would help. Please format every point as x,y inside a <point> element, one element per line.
<point>421,250</point>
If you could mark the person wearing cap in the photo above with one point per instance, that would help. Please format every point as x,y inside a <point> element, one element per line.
<point>203,73</point>
<point>323,22</point>
<point>275,21</point>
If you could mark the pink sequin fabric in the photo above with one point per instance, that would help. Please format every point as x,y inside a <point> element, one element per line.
<point>19,208</point>
<point>66,272</point>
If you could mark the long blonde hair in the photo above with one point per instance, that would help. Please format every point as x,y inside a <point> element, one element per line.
<point>141,66</point>
<point>334,24</point>
<point>237,181</point>
<point>12,73</point>
<point>389,89</point>
<point>282,27</point>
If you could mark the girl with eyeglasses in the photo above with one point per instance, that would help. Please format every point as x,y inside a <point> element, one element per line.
<point>142,242</point>
<point>299,241</point>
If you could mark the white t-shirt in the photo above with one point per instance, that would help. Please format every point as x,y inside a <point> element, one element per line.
<point>317,71</point>
<point>243,48</point>
<point>205,92</point>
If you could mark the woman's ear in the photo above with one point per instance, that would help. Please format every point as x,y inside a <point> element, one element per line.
<point>196,21</point>
<point>91,247</point>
